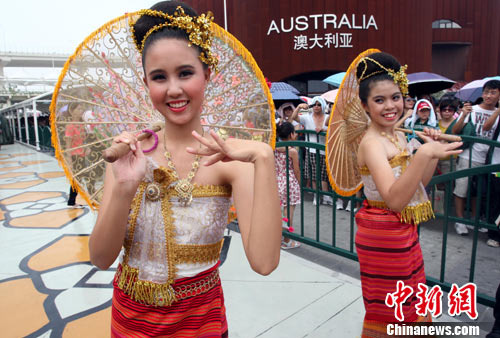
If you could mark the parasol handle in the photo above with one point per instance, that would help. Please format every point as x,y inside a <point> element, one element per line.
<point>442,137</point>
<point>117,150</point>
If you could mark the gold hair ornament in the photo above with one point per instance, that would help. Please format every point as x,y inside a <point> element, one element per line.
<point>399,77</point>
<point>197,28</point>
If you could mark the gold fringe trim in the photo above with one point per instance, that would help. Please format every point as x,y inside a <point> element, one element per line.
<point>410,214</point>
<point>418,214</point>
<point>144,292</point>
<point>239,48</point>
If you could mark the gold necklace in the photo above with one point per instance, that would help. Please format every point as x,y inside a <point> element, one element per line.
<point>393,140</point>
<point>184,187</point>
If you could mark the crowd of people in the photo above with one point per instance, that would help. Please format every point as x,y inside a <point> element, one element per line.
<point>450,116</point>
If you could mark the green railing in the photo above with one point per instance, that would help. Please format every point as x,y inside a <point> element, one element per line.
<point>483,176</point>
<point>316,242</point>
<point>446,217</point>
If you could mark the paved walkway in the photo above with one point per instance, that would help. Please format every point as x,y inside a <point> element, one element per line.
<point>50,289</point>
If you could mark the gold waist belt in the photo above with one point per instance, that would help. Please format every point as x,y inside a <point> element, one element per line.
<point>410,214</point>
<point>150,293</point>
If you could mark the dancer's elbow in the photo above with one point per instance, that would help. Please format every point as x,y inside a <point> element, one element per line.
<point>101,263</point>
<point>265,268</point>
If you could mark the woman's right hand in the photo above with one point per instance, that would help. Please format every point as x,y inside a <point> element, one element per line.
<point>130,168</point>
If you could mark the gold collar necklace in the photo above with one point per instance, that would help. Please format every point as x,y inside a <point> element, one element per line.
<point>394,140</point>
<point>184,187</point>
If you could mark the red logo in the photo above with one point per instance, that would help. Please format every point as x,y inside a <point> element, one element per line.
<point>397,299</point>
<point>462,300</point>
<point>429,300</point>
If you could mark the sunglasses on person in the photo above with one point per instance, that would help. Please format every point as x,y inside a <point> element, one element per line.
<point>448,109</point>
<point>317,104</point>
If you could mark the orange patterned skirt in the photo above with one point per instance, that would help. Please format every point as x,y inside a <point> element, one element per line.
<point>202,315</point>
<point>388,252</point>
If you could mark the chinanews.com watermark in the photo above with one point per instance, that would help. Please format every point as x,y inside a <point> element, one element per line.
<point>434,329</point>
<point>461,300</point>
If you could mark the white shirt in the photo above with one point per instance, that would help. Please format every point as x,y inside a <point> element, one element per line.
<point>293,122</point>
<point>496,152</point>
<point>479,150</point>
<point>308,122</point>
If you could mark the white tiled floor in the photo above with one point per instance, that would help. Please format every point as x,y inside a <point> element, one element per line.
<point>299,299</point>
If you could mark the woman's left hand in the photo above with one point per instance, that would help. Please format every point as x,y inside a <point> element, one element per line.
<point>232,149</point>
<point>429,134</point>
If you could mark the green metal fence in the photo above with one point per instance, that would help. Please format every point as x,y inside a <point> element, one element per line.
<point>447,217</point>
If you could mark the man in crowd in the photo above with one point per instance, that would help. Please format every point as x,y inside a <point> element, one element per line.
<point>477,114</point>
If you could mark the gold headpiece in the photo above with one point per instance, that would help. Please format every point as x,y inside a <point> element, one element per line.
<point>399,77</point>
<point>197,28</point>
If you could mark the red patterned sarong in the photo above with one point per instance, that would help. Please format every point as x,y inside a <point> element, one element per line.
<point>388,252</point>
<point>202,315</point>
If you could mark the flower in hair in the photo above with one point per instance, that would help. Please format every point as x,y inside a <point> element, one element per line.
<point>198,29</point>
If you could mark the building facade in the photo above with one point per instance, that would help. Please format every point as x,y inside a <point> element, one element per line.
<point>301,42</point>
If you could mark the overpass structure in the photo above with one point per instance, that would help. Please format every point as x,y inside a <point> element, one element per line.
<point>14,90</point>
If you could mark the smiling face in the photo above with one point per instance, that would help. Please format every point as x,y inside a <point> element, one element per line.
<point>176,80</point>
<point>384,104</point>
<point>490,97</point>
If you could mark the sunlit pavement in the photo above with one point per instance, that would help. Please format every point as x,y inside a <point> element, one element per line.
<point>50,289</point>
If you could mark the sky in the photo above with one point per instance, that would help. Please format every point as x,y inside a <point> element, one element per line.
<point>55,26</point>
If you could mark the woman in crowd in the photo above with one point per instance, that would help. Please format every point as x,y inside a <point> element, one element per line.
<point>317,121</point>
<point>447,109</point>
<point>288,178</point>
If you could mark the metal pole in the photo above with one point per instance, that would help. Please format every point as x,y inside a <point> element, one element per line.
<point>35,126</point>
<point>13,124</point>
<point>18,126</point>
<point>7,116</point>
<point>26,126</point>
